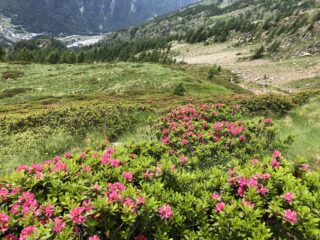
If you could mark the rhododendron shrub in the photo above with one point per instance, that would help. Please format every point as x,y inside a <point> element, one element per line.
<point>216,133</point>
<point>155,191</point>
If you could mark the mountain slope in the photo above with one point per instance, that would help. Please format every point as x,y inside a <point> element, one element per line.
<point>292,25</point>
<point>84,16</point>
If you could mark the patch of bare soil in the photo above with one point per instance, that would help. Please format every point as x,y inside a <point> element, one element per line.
<point>259,76</point>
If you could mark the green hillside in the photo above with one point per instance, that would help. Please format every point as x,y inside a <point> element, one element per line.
<point>283,27</point>
<point>35,82</point>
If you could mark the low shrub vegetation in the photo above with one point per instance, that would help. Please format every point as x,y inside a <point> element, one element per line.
<point>210,176</point>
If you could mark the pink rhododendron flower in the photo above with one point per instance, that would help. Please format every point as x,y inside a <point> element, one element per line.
<point>267,121</point>
<point>111,150</point>
<point>105,159</point>
<point>219,105</point>
<point>128,202</point>
<point>158,169</point>
<point>220,206</point>
<point>218,126</point>
<point>22,168</point>
<point>290,216</point>
<point>56,159</point>
<point>141,200</point>
<point>114,163</point>
<point>3,194</point>
<point>183,160</point>
<point>59,225</point>
<point>241,191</point>
<point>263,190</point>
<point>184,141</point>
<point>10,237</point>
<point>148,174</point>
<point>60,166</point>
<point>76,215</point>
<point>68,155</point>
<point>305,167</point>
<point>87,205</point>
<point>253,182</point>
<point>243,182</point>
<point>232,171</point>
<point>4,222</point>
<point>165,140</point>
<point>232,181</point>
<point>266,176</point>
<point>83,156</point>
<point>128,176</point>
<point>165,212</point>
<point>26,232</point>
<point>112,196</point>
<point>15,209</point>
<point>254,162</point>
<point>275,163</point>
<point>216,196</point>
<point>49,211</point>
<point>36,167</point>
<point>140,237</point>
<point>289,196</point>
<point>86,169</point>
<point>277,154</point>
<point>247,203</point>
<point>95,237</point>
<point>116,187</point>
<point>242,137</point>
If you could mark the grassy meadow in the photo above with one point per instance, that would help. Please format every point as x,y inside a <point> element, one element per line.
<point>48,109</point>
<point>36,82</point>
<point>303,123</point>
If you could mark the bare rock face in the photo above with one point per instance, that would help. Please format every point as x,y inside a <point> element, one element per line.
<point>84,16</point>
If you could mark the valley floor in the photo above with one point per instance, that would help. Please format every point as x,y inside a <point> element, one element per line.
<point>259,75</point>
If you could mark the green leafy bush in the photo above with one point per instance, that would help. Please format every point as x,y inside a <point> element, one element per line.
<point>258,53</point>
<point>179,90</point>
<point>155,191</point>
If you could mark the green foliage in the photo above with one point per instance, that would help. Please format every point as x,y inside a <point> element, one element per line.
<point>259,53</point>
<point>81,58</point>
<point>74,123</point>
<point>213,72</point>
<point>53,57</point>
<point>179,90</point>
<point>204,132</point>
<point>2,53</point>
<point>153,191</point>
<point>11,74</point>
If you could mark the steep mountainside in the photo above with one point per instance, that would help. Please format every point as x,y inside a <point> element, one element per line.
<point>281,26</point>
<point>84,16</point>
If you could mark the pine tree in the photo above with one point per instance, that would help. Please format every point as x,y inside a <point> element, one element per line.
<point>80,58</point>
<point>2,53</point>
<point>54,57</point>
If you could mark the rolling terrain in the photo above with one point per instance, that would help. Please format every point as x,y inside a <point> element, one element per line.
<point>198,124</point>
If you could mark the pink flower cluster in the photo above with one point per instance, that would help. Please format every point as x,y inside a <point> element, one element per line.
<point>165,211</point>
<point>128,176</point>
<point>77,215</point>
<point>289,196</point>
<point>107,160</point>
<point>242,184</point>
<point>26,232</point>
<point>115,194</point>
<point>4,222</point>
<point>290,216</point>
